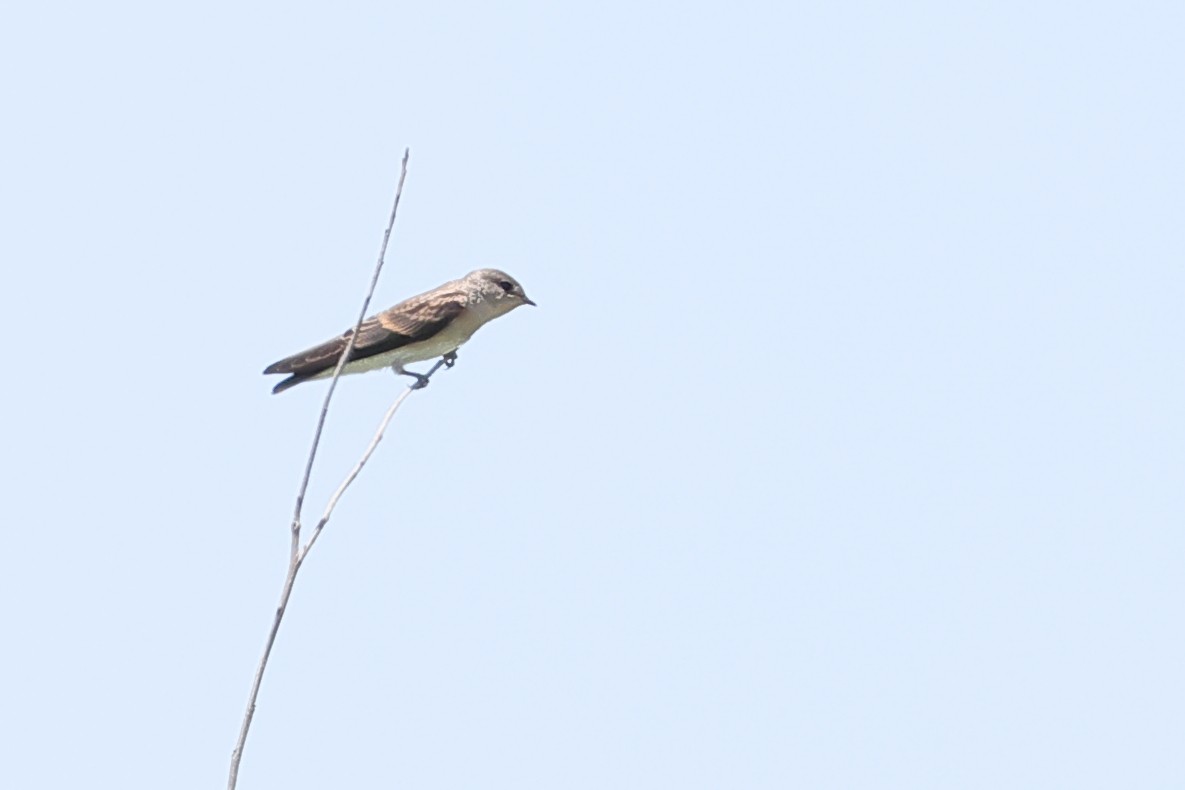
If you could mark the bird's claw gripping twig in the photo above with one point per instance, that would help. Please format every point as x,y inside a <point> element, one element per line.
<point>421,379</point>
<point>448,360</point>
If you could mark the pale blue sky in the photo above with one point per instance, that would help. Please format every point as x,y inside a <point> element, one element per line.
<point>845,449</point>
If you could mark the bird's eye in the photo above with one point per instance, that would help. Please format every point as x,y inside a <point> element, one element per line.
<point>506,286</point>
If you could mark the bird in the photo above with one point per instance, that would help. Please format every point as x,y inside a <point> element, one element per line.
<point>432,324</point>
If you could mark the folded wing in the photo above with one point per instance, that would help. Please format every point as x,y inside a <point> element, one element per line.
<point>411,321</point>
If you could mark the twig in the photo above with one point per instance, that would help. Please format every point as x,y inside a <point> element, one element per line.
<point>378,437</point>
<point>341,362</point>
<point>296,555</point>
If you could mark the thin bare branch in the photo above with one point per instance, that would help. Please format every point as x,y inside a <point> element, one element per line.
<point>296,554</point>
<point>378,437</point>
<point>341,362</point>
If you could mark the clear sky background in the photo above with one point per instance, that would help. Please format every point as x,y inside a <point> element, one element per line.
<point>845,448</point>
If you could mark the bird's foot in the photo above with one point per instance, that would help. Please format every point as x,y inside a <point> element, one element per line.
<point>448,360</point>
<point>421,379</point>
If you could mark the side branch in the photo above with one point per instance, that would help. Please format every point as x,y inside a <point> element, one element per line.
<point>370,448</point>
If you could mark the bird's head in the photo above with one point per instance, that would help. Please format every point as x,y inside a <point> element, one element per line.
<point>499,287</point>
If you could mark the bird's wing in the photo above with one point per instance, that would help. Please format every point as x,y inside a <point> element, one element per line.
<point>411,321</point>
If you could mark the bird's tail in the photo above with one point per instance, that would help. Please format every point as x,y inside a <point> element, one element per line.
<point>288,383</point>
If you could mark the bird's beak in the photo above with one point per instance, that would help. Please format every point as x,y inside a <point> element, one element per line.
<point>528,301</point>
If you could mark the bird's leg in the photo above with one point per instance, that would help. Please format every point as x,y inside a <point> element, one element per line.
<point>448,360</point>
<point>421,379</point>
<point>439,364</point>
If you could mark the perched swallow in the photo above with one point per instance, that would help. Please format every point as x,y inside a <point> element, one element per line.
<point>433,324</point>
